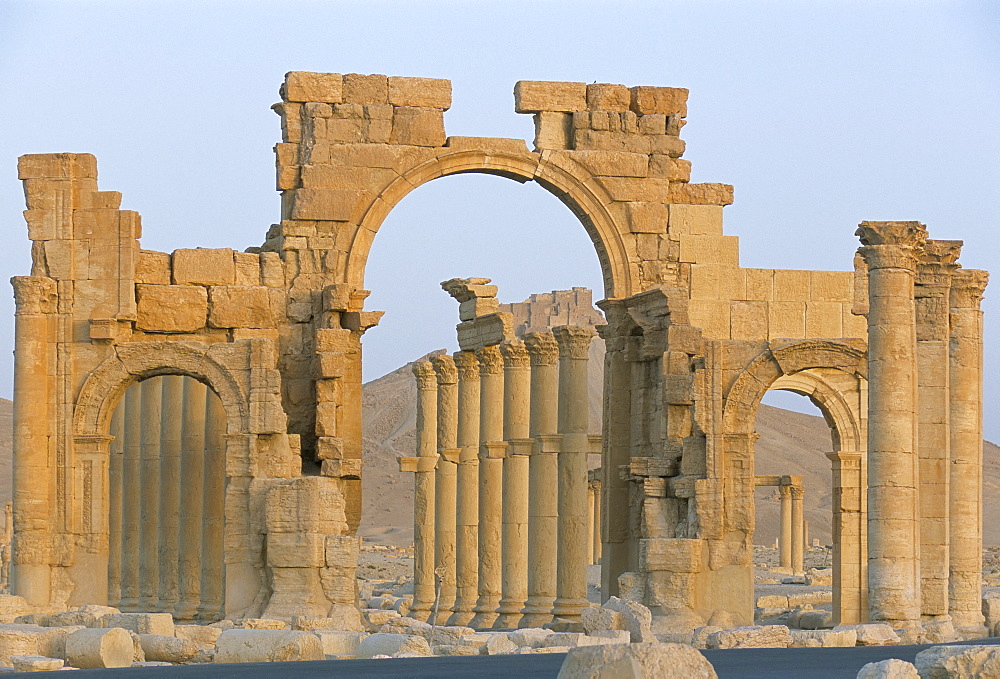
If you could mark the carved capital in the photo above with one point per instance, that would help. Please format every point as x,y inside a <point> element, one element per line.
<point>444,366</point>
<point>574,341</point>
<point>465,289</point>
<point>890,257</point>
<point>34,294</point>
<point>467,365</point>
<point>426,377</point>
<point>542,348</point>
<point>936,265</point>
<point>798,492</point>
<point>906,234</point>
<point>515,354</point>
<point>967,287</point>
<point>490,360</point>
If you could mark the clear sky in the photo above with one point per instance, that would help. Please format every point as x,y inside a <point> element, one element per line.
<point>822,114</point>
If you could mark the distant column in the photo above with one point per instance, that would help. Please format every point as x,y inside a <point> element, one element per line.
<point>130,500</point>
<point>543,472</point>
<point>798,527</point>
<point>445,482</point>
<point>595,522</point>
<point>491,453</point>
<point>785,526</point>
<point>170,492</point>
<point>213,494</point>
<point>151,394</point>
<point>966,408</point>
<point>467,529</point>
<point>516,416</point>
<point>890,250</point>
<point>571,570</point>
<point>423,492</point>
<point>115,505</point>
<point>189,519</point>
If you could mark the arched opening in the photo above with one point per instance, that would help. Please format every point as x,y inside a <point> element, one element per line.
<point>166,479</point>
<point>518,235</point>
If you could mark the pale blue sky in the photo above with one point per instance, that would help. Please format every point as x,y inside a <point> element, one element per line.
<point>822,114</point>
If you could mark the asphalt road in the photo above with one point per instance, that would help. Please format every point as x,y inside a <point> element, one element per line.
<point>753,663</point>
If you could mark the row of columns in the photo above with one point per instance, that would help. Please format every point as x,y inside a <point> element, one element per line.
<point>924,428</point>
<point>792,526</point>
<point>167,481</point>
<point>502,525</point>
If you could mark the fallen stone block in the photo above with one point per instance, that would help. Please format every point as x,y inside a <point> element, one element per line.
<point>754,636</point>
<point>636,618</point>
<point>336,642</point>
<point>453,649</point>
<point>375,618</point>
<point>18,639</point>
<point>448,635</point>
<point>816,620</point>
<point>141,623</point>
<point>699,638</point>
<point>477,639</point>
<point>772,601</point>
<point>35,663</point>
<point>610,636</point>
<point>794,580</point>
<point>938,632</point>
<point>826,638</point>
<point>392,644</point>
<point>872,634</point>
<point>501,644</point>
<point>13,607</point>
<point>636,660</point>
<point>530,636</point>
<point>991,609</point>
<point>560,625</point>
<point>263,623</point>
<point>404,625</point>
<point>964,662</point>
<point>203,636</point>
<point>597,619</point>
<point>267,645</point>
<point>345,618</point>
<point>97,647</point>
<point>138,655</point>
<point>159,648</point>
<point>893,668</point>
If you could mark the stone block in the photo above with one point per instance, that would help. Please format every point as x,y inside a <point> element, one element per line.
<point>153,267</point>
<point>417,126</point>
<point>160,648</point>
<point>553,130</point>
<point>636,660</point>
<point>872,634</point>
<point>429,92</point>
<point>301,86</point>
<point>35,663</point>
<point>772,601</point>
<point>366,89</point>
<point>266,645</point>
<point>100,648</point>
<point>646,217</point>
<point>247,265</point>
<point>392,644</point>
<point>498,644</point>
<point>786,319</point>
<point>324,204</point>
<point>696,220</point>
<point>700,635</point>
<point>724,250</point>
<point>450,634</point>
<point>608,97</point>
<point>202,636</point>
<point>338,643</point>
<point>236,306</point>
<point>533,96</point>
<point>939,662</point>
<point>666,100</point>
<point>893,668</point>
<point>204,266</point>
<point>614,163</point>
<point>809,599</point>
<point>766,636</point>
<point>826,638</point>
<point>171,308</point>
<point>141,623</point>
<point>596,619</point>
<point>635,617</point>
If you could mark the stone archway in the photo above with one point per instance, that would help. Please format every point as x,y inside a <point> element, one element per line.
<point>832,373</point>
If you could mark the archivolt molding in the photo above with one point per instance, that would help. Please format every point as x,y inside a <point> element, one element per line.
<point>843,419</point>
<point>585,198</point>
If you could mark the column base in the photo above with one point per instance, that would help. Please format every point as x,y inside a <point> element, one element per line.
<point>486,614</point>
<point>968,633</point>
<point>536,614</point>
<point>508,619</point>
<point>421,611</point>
<point>569,608</point>
<point>184,610</point>
<point>461,618</point>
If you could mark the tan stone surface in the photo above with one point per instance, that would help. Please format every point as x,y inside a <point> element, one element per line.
<point>174,308</point>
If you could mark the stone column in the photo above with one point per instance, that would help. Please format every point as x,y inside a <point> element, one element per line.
<point>213,494</point>
<point>516,427</point>
<point>115,504</point>
<point>543,473</point>
<point>423,492</point>
<point>445,482</point>
<point>189,515</point>
<point>571,568</point>
<point>170,491</point>
<point>151,394</point>
<point>785,526</point>
<point>848,582</point>
<point>130,500</point>
<point>890,250</point>
<point>491,453</point>
<point>931,294</point>
<point>798,527</point>
<point>467,529</point>
<point>595,522</point>
<point>966,410</point>
<point>590,519</point>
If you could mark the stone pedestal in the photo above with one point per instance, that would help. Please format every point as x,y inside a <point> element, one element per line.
<point>966,410</point>
<point>571,569</point>
<point>445,482</point>
<point>423,492</point>
<point>890,250</point>
<point>467,522</point>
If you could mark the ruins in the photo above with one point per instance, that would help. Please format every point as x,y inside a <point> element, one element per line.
<point>187,424</point>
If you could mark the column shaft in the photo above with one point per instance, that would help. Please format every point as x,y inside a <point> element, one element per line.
<point>423,492</point>
<point>151,394</point>
<point>966,410</point>
<point>596,522</point>
<point>467,494</point>
<point>190,512</point>
<point>170,476</point>
<point>115,505</point>
<point>491,453</point>
<point>213,514</point>
<point>798,528</point>
<point>130,500</point>
<point>571,569</point>
<point>785,526</point>
<point>445,484</point>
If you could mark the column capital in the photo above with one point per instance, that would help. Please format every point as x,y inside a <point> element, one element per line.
<point>444,366</point>
<point>906,234</point>
<point>490,360</point>
<point>542,348</point>
<point>515,354</point>
<point>798,492</point>
<point>425,374</point>
<point>574,341</point>
<point>467,365</point>
<point>34,294</point>
<point>967,287</point>
<point>937,263</point>
<point>845,459</point>
<point>784,491</point>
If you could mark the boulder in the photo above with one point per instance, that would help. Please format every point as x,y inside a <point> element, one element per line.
<point>35,663</point>
<point>263,623</point>
<point>626,661</point>
<point>376,617</point>
<point>96,647</point>
<point>529,636</point>
<point>754,636</point>
<point>339,643</point>
<point>500,644</point>
<point>267,645</point>
<point>597,619</point>
<point>448,635</point>
<point>938,632</point>
<point>203,636</point>
<point>404,625</point>
<point>893,668</point>
<point>958,662</point>
<point>454,649</point>
<point>699,638</point>
<point>345,618</point>
<point>816,620</point>
<point>872,634</point>
<point>392,645</point>
<point>825,638</point>
<point>18,639</point>
<point>159,648</point>
<point>991,610</point>
<point>141,623</point>
<point>721,618</point>
<point>636,618</point>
